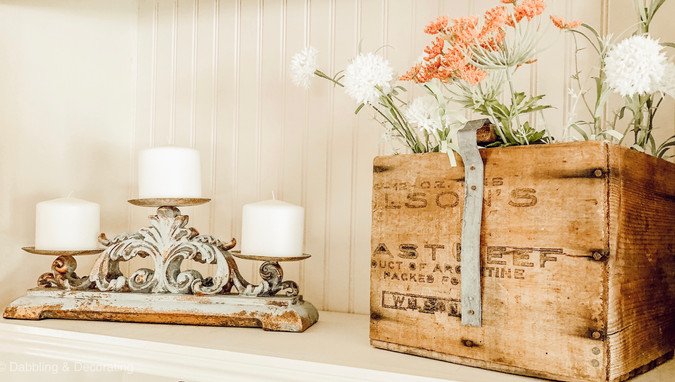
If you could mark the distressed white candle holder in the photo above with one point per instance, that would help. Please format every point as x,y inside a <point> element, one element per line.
<point>167,292</point>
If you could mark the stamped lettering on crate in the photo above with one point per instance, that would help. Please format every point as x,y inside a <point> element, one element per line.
<point>441,194</point>
<point>440,264</point>
<point>420,303</point>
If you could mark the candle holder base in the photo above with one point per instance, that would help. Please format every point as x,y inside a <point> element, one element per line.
<point>169,291</point>
<point>278,313</point>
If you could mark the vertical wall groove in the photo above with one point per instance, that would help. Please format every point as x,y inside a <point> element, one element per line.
<point>193,78</point>
<point>213,181</point>
<point>153,86</point>
<point>329,154</point>
<point>305,136</point>
<point>259,65</point>
<point>258,107</point>
<point>235,115</point>
<point>385,42</point>
<point>283,80</point>
<point>354,159</point>
<point>174,38</point>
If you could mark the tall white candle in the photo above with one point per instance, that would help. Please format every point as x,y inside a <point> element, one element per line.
<point>169,172</point>
<point>272,228</point>
<point>67,224</point>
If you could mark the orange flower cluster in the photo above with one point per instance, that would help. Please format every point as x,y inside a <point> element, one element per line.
<point>561,23</point>
<point>447,57</point>
<point>528,9</point>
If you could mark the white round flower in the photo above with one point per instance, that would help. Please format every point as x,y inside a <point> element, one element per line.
<point>667,84</point>
<point>635,66</point>
<point>367,72</point>
<point>424,113</point>
<point>303,66</point>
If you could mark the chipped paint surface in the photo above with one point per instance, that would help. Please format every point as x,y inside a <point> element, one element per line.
<point>289,314</point>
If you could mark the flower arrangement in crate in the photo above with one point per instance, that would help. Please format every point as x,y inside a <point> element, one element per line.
<point>470,66</point>
<point>566,243</point>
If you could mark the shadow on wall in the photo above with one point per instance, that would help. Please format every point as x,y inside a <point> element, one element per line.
<point>67,96</point>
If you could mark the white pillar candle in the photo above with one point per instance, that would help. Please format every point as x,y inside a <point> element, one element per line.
<point>67,224</point>
<point>272,228</point>
<point>169,172</point>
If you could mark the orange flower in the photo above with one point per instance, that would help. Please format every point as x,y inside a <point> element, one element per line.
<point>437,26</point>
<point>492,32</point>
<point>417,73</point>
<point>529,9</point>
<point>561,23</point>
<point>448,56</point>
<point>463,31</point>
<point>435,49</point>
<point>472,75</point>
<point>494,19</point>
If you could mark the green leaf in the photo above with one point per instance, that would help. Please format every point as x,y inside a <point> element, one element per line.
<point>581,131</point>
<point>622,112</point>
<point>652,144</point>
<point>518,98</point>
<point>613,134</point>
<point>358,109</point>
<point>537,136</point>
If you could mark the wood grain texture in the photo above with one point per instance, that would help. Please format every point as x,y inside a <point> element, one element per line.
<point>641,315</point>
<point>549,226</point>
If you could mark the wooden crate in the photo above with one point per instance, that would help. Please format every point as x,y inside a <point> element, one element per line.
<point>577,261</point>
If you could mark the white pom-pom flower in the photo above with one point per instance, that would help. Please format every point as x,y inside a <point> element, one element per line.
<point>364,75</point>
<point>667,84</point>
<point>424,113</point>
<point>635,66</point>
<point>303,66</point>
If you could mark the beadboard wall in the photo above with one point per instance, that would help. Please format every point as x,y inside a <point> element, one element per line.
<point>213,75</point>
<point>86,84</point>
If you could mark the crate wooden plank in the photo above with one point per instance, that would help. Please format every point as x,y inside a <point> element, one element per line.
<point>641,321</point>
<point>546,239</point>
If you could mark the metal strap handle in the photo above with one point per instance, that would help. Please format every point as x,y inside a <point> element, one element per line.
<point>471,222</point>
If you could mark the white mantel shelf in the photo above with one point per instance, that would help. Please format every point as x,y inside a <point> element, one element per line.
<point>335,349</point>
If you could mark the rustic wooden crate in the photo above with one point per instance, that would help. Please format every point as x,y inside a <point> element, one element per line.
<point>577,257</point>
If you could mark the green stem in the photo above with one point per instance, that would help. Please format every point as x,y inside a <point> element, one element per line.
<point>321,74</point>
<point>509,79</point>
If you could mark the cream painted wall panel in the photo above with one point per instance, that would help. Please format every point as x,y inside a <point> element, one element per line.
<point>226,121</point>
<point>367,139</point>
<point>340,148</point>
<point>292,125</point>
<point>67,102</point>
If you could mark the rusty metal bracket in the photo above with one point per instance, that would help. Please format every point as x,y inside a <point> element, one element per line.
<point>471,222</point>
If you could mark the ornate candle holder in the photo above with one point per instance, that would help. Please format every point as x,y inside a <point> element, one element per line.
<point>167,292</point>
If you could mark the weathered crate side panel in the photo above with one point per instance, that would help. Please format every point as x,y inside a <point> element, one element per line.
<point>641,317</point>
<point>544,214</point>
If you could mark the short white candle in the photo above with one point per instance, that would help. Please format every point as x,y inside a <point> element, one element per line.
<point>169,172</point>
<point>272,228</point>
<point>67,224</point>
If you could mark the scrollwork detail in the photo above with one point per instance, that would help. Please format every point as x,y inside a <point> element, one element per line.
<point>272,282</point>
<point>169,243</point>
